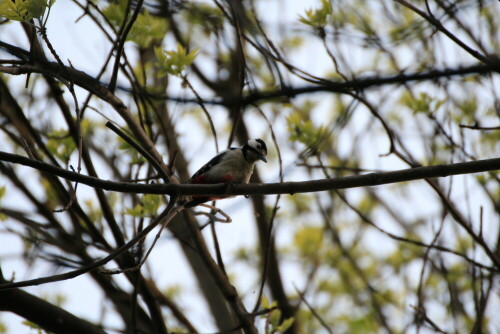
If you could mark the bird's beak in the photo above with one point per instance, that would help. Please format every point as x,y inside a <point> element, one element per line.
<point>263,158</point>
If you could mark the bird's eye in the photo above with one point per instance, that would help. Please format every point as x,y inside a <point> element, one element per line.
<point>259,147</point>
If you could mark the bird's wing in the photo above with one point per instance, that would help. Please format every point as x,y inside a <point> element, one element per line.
<point>199,176</point>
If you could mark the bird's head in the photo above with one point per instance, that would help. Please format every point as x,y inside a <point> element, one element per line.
<point>255,149</point>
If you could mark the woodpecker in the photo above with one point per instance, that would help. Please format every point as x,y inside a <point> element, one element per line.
<point>234,165</point>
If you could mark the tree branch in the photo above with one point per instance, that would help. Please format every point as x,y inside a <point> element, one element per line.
<point>367,180</point>
<point>93,85</point>
<point>94,265</point>
<point>50,317</point>
<point>360,83</point>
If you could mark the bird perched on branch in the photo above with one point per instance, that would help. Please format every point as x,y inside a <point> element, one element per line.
<point>234,165</point>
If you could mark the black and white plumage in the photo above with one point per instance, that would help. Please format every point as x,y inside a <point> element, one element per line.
<point>234,165</point>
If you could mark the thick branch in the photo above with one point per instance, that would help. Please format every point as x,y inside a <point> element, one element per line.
<point>92,85</point>
<point>372,179</point>
<point>48,316</point>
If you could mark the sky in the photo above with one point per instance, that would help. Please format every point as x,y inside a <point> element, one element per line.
<point>85,47</point>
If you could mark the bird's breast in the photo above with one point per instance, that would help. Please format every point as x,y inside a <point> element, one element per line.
<point>236,167</point>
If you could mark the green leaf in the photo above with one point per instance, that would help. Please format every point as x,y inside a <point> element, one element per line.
<point>301,203</point>
<point>362,325</point>
<point>302,129</point>
<point>93,211</point>
<point>406,31</point>
<point>13,11</point>
<point>33,325</point>
<point>115,13</point>
<point>61,144</point>
<point>24,10</point>
<point>210,18</point>
<point>3,189</point>
<point>274,318</point>
<point>3,328</point>
<point>309,241</point>
<point>264,303</point>
<point>174,62</point>
<point>317,18</point>
<point>469,108</point>
<point>147,207</point>
<point>52,198</point>
<point>151,203</point>
<point>287,323</point>
<point>423,103</point>
<point>367,204</point>
<point>136,158</point>
<point>147,29</point>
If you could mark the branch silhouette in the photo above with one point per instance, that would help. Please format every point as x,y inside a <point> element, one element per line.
<point>366,180</point>
<point>93,85</point>
<point>42,312</point>
<point>94,265</point>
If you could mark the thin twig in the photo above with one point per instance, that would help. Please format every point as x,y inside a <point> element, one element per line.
<point>420,290</point>
<point>96,264</point>
<point>127,26</point>
<point>199,100</point>
<point>144,153</point>
<point>424,316</point>
<point>415,242</point>
<point>439,26</point>
<point>71,88</point>
<point>478,127</point>
<point>314,312</point>
<point>138,266</point>
<point>269,242</point>
<point>218,253</point>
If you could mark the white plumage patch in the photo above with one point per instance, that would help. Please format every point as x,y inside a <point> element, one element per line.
<point>227,165</point>
<point>233,165</point>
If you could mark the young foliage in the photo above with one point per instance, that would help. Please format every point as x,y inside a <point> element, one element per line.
<point>304,131</point>
<point>147,207</point>
<point>2,194</point>
<point>147,29</point>
<point>210,18</point>
<point>3,328</point>
<point>24,10</point>
<point>423,103</point>
<point>344,88</point>
<point>317,18</point>
<point>274,321</point>
<point>61,144</point>
<point>308,241</point>
<point>174,62</point>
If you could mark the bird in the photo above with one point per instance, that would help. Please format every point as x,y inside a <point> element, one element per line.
<point>234,165</point>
